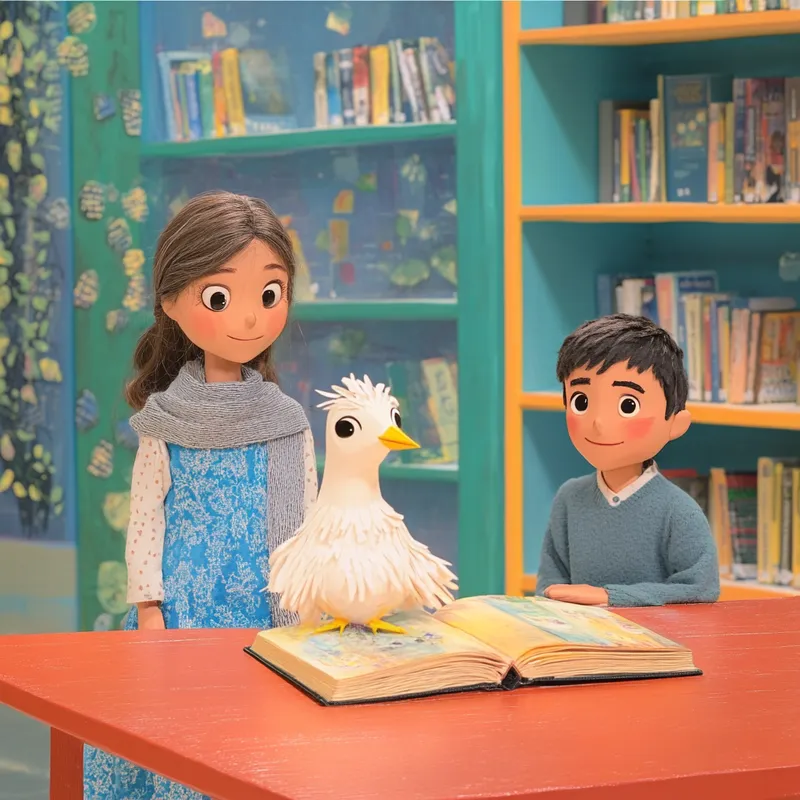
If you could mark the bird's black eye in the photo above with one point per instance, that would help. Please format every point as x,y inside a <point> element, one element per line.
<point>346,427</point>
<point>396,418</point>
<point>579,403</point>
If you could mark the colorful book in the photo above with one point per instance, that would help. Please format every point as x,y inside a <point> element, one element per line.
<point>476,643</point>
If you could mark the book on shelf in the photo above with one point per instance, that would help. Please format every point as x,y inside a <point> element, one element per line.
<point>404,80</point>
<point>704,138</point>
<point>475,643</point>
<point>740,350</point>
<point>228,92</point>
<point>427,392</point>
<point>754,518</point>
<point>592,12</point>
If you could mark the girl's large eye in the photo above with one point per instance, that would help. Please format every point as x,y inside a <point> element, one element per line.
<point>216,298</point>
<point>579,403</point>
<point>346,427</point>
<point>396,418</point>
<point>272,294</point>
<point>628,406</point>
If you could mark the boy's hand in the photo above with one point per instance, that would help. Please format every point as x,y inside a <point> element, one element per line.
<point>151,618</point>
<point>582,594</point>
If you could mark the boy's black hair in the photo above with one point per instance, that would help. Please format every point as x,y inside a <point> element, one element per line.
<point>636,341</point>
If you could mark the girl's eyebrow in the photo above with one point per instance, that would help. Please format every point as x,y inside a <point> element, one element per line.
<point>276,266</point>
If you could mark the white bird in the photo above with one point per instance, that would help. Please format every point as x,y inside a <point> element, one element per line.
<point>353,558</point>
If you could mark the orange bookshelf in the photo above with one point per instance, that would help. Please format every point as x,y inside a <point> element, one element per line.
<point>766,214</point>
<point>780,416</point>
<point>664,31</point>
<point>730,590</point>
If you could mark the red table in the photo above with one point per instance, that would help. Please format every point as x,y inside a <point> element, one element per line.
<point>193,706</point>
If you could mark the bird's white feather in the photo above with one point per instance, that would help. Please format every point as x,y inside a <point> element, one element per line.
<point>354,558</point>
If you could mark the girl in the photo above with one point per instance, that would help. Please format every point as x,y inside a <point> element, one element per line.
<point>225,467</point>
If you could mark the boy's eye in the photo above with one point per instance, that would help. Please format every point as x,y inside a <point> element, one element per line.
<point>215,298</point>
<point>272,294</point>
<point>579,403</point>
<point>628,406</point>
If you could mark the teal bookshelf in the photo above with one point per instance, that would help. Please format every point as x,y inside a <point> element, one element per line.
<point>559,238</point>
<point>384,297</point>
<point>308,139</point>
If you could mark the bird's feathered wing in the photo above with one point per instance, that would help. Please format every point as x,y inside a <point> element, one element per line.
<point>362,553</point>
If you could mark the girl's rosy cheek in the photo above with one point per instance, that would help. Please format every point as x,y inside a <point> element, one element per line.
<point>204,322</point>
<point>639,427</point>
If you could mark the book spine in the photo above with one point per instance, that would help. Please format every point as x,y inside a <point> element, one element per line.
<point>624,123</point>
<point>379,84</point>
<point>409,98</point>
<point>792,191</point>
<point>428,86</point>
<point>785,565</point>
<point>740,121</point>
<point>205,80</point>
<point>335,119</point>
<point>713,149</point>
<point>361,84</point>
<point>183,103</point>
<point>220,104</point>
<point>765,509</point>
<point>233,91</point>
<point>346,85</point>
<point>443,396</point>
<point>320,91</point>
<point>411,53</point>
<point>398,112</point>
<point>796,527</point>
<point>169,117</point>
<point>190,76</point>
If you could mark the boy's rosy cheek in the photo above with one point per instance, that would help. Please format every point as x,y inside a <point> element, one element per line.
<point>573,424</point>
<point>639,427</point>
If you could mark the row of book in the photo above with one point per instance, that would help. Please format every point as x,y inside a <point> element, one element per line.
<point>427,392</point>
<point>588,12</point>
<point>736,349</point>
<point>754,518</point>
<point>703,139</point>
<point>227,92</point>
<point>402,81</point>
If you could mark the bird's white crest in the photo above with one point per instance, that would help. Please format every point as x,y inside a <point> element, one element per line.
<point>357,394</point>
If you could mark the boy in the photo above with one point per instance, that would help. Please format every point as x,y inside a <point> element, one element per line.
<point>625,536</point>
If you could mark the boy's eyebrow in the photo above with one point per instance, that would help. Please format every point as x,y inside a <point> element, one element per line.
<point>629,385</point>
<point>580,382</point>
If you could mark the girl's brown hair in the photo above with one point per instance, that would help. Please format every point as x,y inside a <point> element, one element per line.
<point>204,235</point>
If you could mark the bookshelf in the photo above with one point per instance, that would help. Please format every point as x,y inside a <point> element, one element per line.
<point>410,193</point>
<point>558,238</point>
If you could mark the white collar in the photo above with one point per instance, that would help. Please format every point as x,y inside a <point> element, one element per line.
<point>615,498</point>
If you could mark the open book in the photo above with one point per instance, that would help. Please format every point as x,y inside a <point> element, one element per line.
<point>474,643</point>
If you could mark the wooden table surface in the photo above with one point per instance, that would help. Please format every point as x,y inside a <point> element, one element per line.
<point>193,706</point>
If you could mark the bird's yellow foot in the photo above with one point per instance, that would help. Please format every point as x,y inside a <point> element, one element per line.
<point>333,625</point>
<point>377,624</point>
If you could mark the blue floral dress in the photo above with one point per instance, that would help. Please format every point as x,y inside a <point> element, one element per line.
<point>214,565</point>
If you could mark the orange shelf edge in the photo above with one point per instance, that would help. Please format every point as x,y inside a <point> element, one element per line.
<point>780,416</point>
<point>730,590</point>
<point>722,213</point>
<point>665,31</point>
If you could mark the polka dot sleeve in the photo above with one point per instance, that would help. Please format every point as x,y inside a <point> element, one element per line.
<point>145,541</point>
<point>310,462</point>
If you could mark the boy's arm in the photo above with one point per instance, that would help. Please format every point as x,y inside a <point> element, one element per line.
<point>693,565</point>
<point>554,558</point>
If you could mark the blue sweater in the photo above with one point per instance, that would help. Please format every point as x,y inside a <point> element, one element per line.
<point>651,549</point>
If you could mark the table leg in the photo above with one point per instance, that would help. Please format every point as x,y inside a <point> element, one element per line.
<point>66,766</point>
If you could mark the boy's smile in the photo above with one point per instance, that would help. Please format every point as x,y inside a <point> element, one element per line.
<point>617,418</point>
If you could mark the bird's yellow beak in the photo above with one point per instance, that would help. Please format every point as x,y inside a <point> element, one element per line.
<point>395,439</point>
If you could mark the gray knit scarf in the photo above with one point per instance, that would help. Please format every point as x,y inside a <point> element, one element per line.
<point>205,416</point>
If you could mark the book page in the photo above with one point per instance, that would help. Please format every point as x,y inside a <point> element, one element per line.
<point>516,625</point>
<point>359,652</point>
